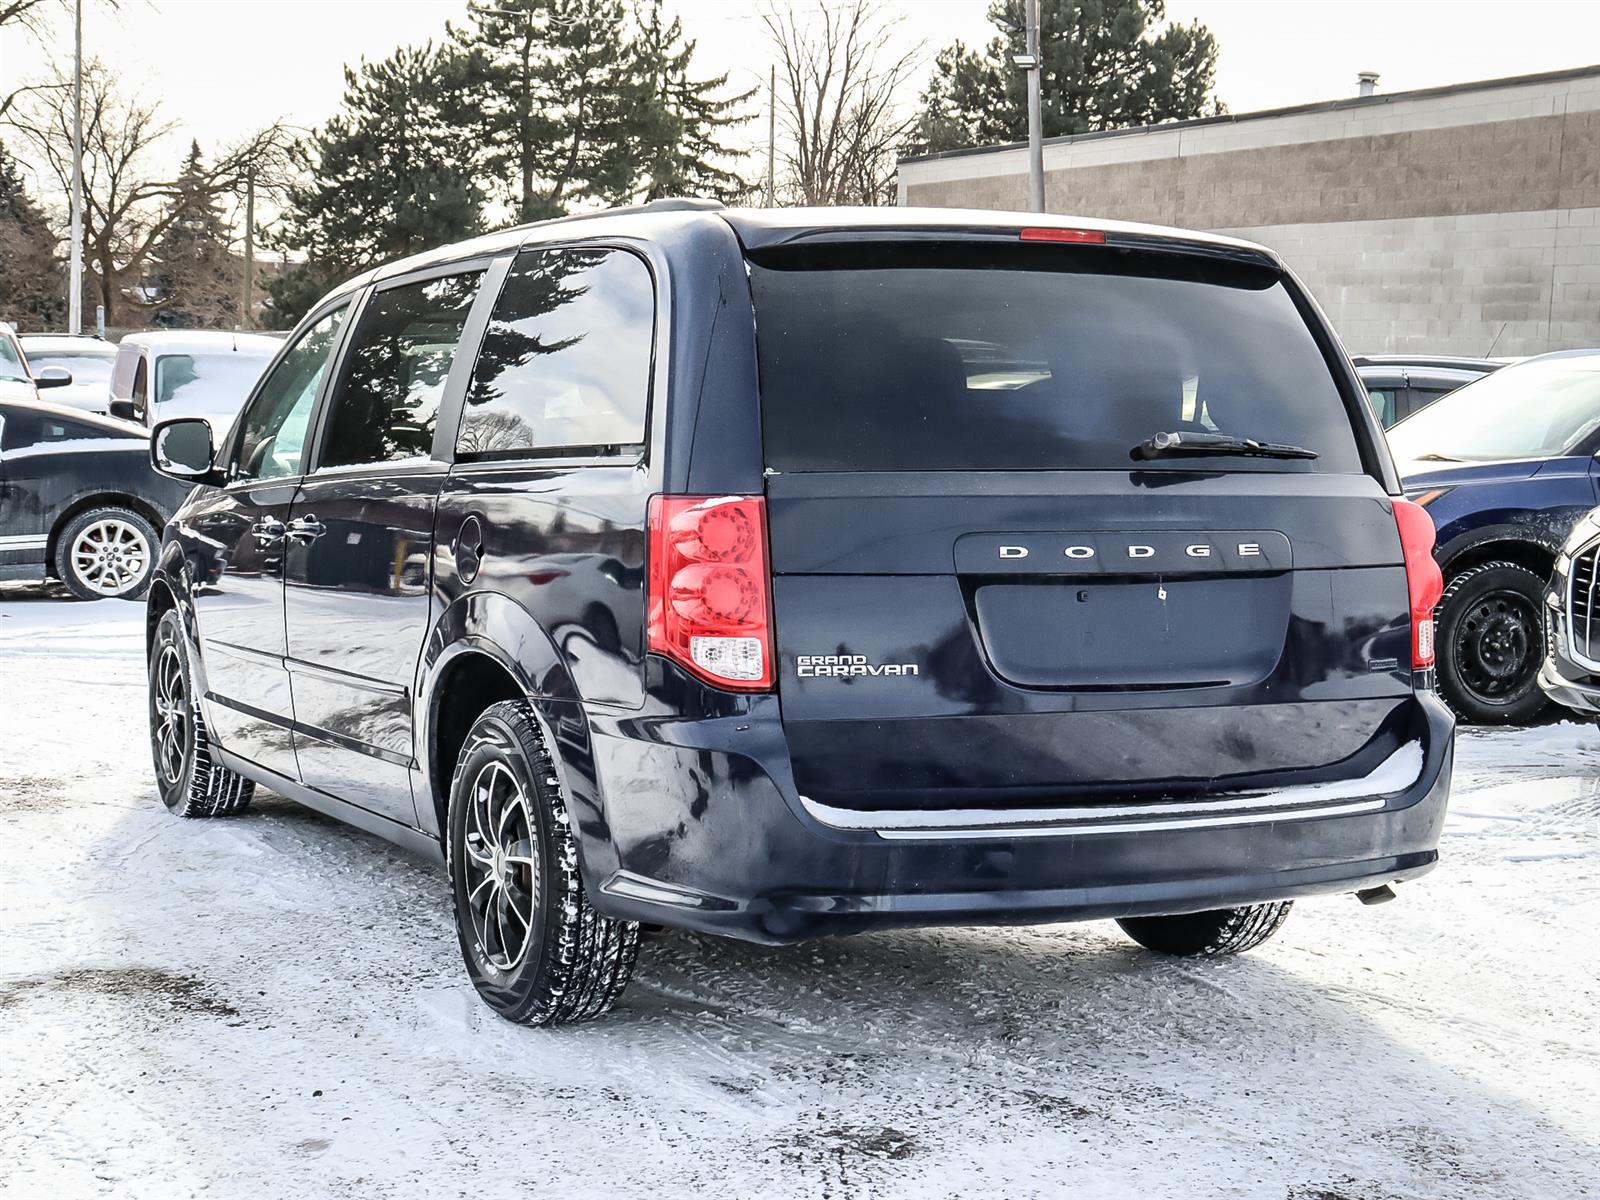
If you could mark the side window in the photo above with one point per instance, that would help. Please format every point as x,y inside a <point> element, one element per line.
<point>18,430</point>
<point>565,364</point>
<point>1422,397</point>
<point>141,386</point>
<point>387,403</point>
<point>1385,404</point>
<point>273,438</point>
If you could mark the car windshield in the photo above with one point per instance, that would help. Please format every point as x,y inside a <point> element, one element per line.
<point>1537,409</point>
<point>10,361</point>
<point>84,368</point>
<point>199,384</point>
<point>907,357</point>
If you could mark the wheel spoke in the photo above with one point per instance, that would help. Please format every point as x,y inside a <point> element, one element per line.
<point>501,866</point>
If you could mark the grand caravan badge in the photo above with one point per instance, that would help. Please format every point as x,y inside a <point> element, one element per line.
<point>812,666</point>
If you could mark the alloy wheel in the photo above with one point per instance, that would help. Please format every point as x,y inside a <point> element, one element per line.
<point>502,869</point>
<point>110,557</point>
<point>171,714</point>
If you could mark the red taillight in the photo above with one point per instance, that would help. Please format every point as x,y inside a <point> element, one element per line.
<point>1083,237</point>
<point>1423,578</point>
<point>709,601</point>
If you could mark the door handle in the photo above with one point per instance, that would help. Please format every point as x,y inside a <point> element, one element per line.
<point>306,528</point>
<point>268,529</point>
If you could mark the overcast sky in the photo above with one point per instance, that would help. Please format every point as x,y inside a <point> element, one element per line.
<point>223,67</point>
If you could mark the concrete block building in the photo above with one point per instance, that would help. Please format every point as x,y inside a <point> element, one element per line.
<point>1449,220</point>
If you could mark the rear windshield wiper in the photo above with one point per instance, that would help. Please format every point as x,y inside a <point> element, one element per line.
<point>1160,445</point>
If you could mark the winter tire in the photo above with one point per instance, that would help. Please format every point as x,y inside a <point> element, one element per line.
<point>107,552</point>
<point>536,950</point>
<point>1490,639</point>
<point>1209,934</point>
<point>191,782</point>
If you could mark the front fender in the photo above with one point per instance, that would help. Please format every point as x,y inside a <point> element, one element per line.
<point>1545,534</point>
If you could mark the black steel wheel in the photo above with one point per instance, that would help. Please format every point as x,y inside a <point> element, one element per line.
<point>1490,639</point>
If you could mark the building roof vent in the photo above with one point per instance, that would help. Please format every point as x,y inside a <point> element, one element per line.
<point>1366,83</point>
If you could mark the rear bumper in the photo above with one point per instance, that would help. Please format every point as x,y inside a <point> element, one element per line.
<point>703,829</point>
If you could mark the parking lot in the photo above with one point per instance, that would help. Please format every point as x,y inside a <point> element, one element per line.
<point>274,1005</point>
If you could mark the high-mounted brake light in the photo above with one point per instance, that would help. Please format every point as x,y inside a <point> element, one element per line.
<point>1083,237</point>
<point>709,599</point>
<point>1424,581</point>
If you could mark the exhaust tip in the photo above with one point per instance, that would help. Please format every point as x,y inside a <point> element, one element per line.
<point>1377,895</point>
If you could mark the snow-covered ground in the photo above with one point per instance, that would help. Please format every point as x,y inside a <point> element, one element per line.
<point>272,1006</point>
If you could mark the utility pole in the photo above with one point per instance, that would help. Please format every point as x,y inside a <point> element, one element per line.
<point>1035,118</point>
<point>247,312</point>
<point>75,274</point>
<point>772,133</point>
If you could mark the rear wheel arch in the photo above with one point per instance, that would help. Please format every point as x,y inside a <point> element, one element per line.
<point>467,684</point>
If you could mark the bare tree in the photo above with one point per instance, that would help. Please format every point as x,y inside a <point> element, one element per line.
<point>127,204</point>
<point>28,15</point>
<point>839,92</point>
<point>34,18</point>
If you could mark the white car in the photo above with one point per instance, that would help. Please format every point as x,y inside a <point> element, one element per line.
<point>188,373</point>
<point>86,358</point>
<point>17,381</point>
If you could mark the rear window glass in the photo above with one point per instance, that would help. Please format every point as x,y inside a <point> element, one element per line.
<point>983,357</point>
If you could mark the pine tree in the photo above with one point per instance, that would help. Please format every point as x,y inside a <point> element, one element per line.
<point>33,287</point>
<point>395,171</point>
<point>555,99</point>
<point>195,274</point>
<point>679,120</point>
<point>1107,64</point>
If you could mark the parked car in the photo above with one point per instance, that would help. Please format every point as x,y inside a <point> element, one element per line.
<point>79,501</point>
<point>17,381</point>
<point>85,358</point>
<point>193,373</point>
<point>1401,384</point>
<point>749,611</point>
<point>1506,466</point>
<point>1570,673</point>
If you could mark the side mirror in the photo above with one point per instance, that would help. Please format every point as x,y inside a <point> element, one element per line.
<point>127,410</point>
<point>181,449</point>
<point>52,377</point>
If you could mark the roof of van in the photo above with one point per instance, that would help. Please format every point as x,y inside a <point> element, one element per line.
<point>775,226</point>
<point>206,341</point>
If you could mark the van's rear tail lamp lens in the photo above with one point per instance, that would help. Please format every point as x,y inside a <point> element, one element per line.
<point>1081,237</point>
<point>1424,581</point>
<point>710,595</point>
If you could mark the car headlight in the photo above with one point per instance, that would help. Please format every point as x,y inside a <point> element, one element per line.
<point>1582,533</point>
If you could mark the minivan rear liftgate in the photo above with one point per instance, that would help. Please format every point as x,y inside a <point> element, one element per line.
<point>1064,533</point>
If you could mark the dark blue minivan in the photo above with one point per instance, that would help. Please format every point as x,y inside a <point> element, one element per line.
<point>786,573</point>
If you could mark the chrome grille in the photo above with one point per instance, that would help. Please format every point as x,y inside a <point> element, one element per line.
<point>1582,578</point>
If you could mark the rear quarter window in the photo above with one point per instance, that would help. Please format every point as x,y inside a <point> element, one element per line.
<point>984,357</point>
<point>566,359</point>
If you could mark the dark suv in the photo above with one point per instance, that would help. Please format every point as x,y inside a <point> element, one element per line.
<point>784,573</point>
